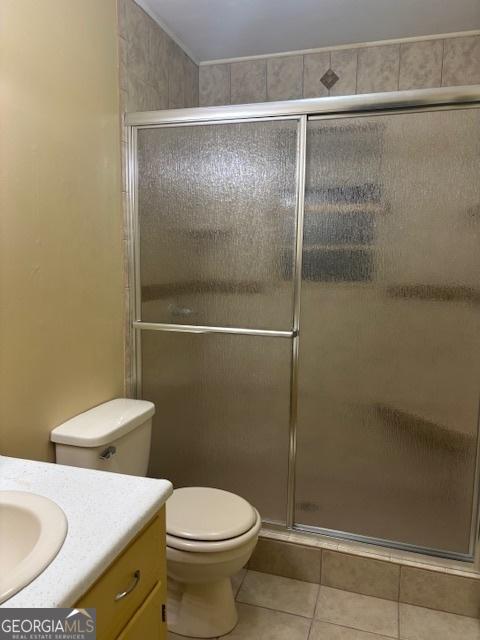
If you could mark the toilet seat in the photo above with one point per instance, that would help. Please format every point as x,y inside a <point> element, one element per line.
<point>203,519</point>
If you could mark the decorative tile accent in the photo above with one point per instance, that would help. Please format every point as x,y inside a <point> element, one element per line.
<point>326,631</point>
<point>315,65</point>
<point>440,591</point>
<point>421,64</point>
<point>378,68</point>
<point>261,624</point>
<point>286,559</point>
<point>248,81</point>
<point>417,623</point>
<point>358,611</point>
<point>281,594</point>
<point>214,81</point>
<point>329,78</point>
<point>285,78</point>
<point>361,575</point>
<point>344,63</point>
<point>461,61</point>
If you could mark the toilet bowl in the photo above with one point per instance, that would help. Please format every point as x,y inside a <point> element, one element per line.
<point>211,533</point>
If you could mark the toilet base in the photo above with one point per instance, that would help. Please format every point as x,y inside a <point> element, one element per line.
<point>201,609</point>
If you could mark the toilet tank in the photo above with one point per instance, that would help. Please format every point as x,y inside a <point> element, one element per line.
<point>115,436</point>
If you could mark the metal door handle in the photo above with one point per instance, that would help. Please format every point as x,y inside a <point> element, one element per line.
<point>128,590</point>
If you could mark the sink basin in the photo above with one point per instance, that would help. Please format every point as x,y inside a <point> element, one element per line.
<point>32,531</point>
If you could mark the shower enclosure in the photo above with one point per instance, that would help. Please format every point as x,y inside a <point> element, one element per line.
<point>306,309</point>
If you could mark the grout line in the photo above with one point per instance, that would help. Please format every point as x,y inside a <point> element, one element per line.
<point>443,58</point>
<point>344,626</point>
<point>321,567</point>
<point>303,76</point>
<point>398,619</point>
<point>288,613</point>
<point>266,81</point>
<point>399,65</point>
<point>329,67</point>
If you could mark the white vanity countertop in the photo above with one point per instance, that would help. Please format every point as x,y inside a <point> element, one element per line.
<point>104,511</point>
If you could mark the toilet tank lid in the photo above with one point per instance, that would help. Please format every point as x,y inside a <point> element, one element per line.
<point>103,424</point>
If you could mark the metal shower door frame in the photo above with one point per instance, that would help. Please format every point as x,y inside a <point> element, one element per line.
<point>134,267</point>
<point>413,101</point>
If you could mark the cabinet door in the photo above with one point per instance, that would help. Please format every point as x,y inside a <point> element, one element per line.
<point>137,569</point>
<point>147,623</point>
<point>216,221</point>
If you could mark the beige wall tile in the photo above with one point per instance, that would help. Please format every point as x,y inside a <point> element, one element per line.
<point>157,74</point>
<point>191,82</point>
<point>281,594</point>
<point>214,85</point>
<point>358,611</point>
<point>286,559</point>
<point>176,76</point>
<point>248,81</point>
<point>285,78</point>
<point>440,591</point>
<point>378,68</point>
<point>344,63</point>
<point>417,623</point>
<point>255,623</point>
<point>421,64</point>
<point>121,17</point>
<point>122,63</point>
<point>361,575</point>
<point>314,66</point>
<point>136,34</point>
<point>326,631</point>
<point>461,61</point>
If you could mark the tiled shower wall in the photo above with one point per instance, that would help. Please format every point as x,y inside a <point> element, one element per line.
<point>344,71</point>
<point>155,73</point>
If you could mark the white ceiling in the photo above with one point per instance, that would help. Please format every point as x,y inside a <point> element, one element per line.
<point>218,29</point>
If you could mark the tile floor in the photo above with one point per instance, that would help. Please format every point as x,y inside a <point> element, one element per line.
<point>275,608</point>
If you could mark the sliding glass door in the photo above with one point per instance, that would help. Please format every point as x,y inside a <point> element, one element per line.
<point>217,221</point>
<point>389,333</point>
<point>307,313</point>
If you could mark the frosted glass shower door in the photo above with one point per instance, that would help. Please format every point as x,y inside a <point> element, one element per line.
<point>389,335</point>
<point>217,221</point>
<point>217,218</point>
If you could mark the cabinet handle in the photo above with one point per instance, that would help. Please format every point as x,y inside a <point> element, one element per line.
<point>135,581</point>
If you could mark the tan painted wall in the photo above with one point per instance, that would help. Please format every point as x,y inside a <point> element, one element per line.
<point>61,270</point>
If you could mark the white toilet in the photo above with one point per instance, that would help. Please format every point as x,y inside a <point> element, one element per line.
<point>211,533</point>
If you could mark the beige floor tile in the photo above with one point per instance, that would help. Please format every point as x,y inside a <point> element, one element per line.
<point>281,594</point>
<point>237,580</point>
<point>417,623</point>
<point>255,623</point>
<point>358,611</point>
<point>326,631</point>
